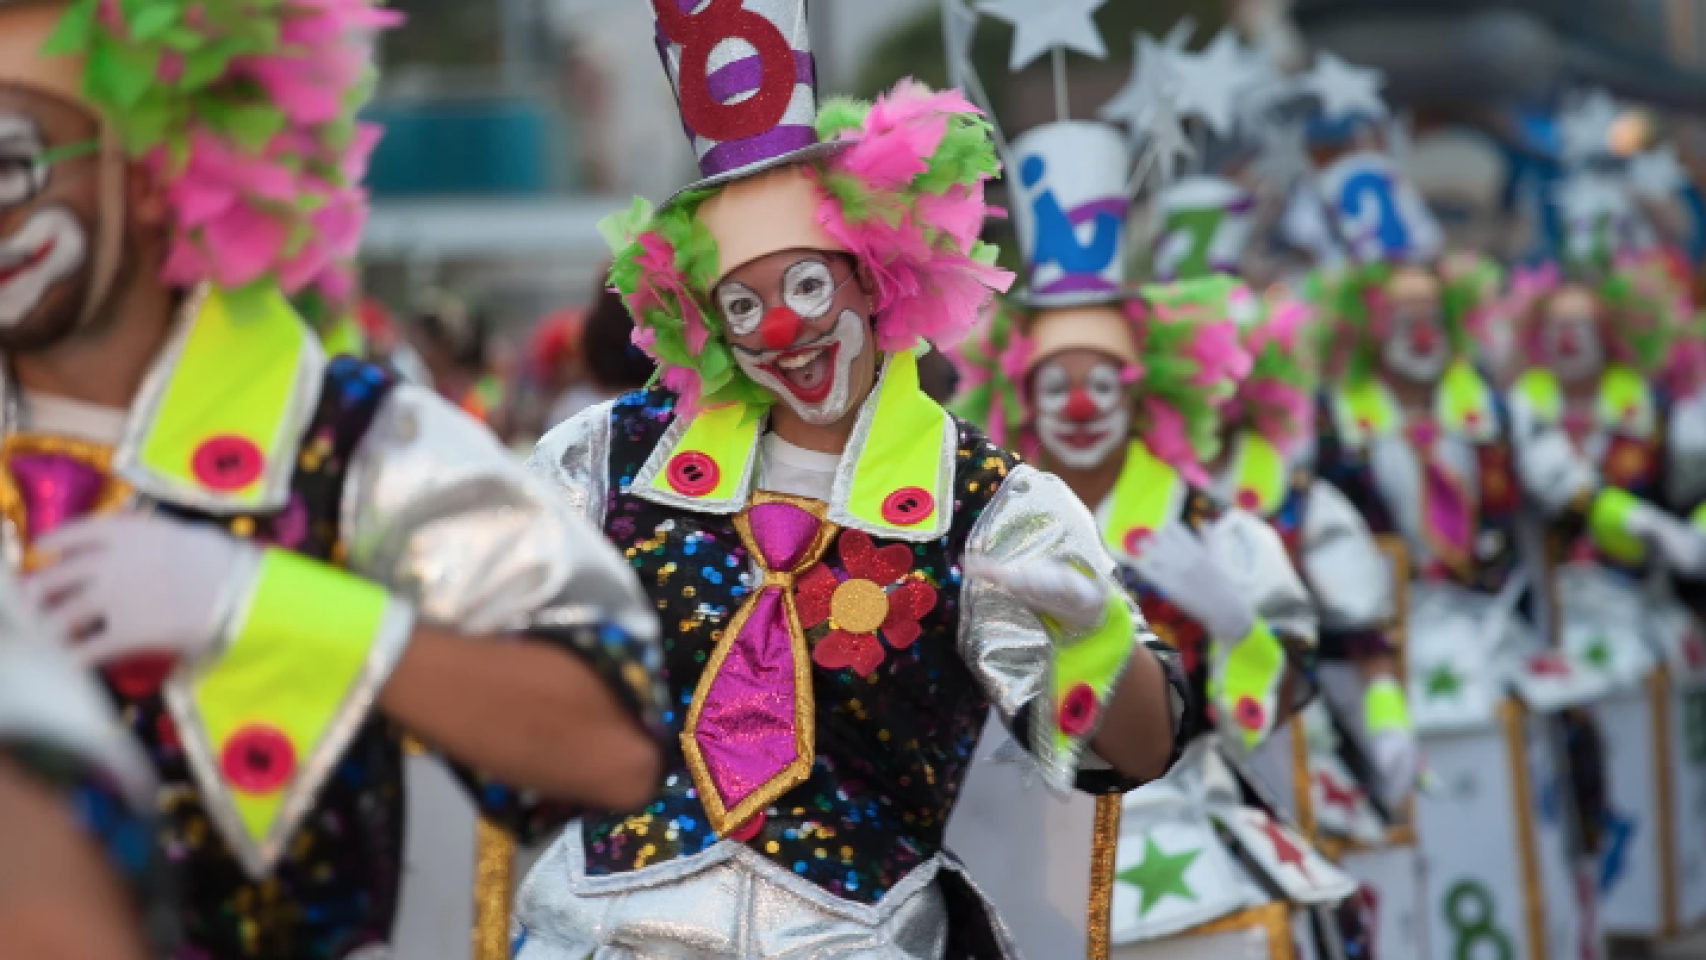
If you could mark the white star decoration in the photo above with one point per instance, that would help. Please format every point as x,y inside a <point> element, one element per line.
<point>1044,25</point>
<point>1657,173</point>
<point>1147,105</point>
<point>1345,91</point>
<point>1586,198</point>
<point>1212,82</point>
<point>1584,126</point>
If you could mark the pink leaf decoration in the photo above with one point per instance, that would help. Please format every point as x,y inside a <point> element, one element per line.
<point>1220,357</point>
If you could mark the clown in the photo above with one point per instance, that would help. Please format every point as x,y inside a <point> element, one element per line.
<point>849,577</point>
<point>284,564</point>
<point>1117,390</point>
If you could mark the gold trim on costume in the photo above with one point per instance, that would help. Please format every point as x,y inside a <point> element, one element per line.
<point>98,457</point>
<point>494,875</point>
<point>1103,847</point>
<point>1516,743</point>
<point>1658,694</point>
<point>1273,919</point>
<point>1302,783</point>
<point>805,710</point>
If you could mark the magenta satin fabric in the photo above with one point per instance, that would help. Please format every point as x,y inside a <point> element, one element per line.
<point>746,730</point>
<point>55,489</point>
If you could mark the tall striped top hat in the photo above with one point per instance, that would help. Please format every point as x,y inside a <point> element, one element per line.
<point>1070,191</point>
<point>745,81</point>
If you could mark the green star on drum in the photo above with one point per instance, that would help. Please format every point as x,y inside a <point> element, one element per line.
<point>1159,875</point>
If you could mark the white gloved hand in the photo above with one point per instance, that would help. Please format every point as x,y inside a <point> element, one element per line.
<point>1176,563</point>
<point>1398,759</point>
<point>1680,544</point>
<point>1051,588</point>
<point>1553,472</point>
<point>127,585</point>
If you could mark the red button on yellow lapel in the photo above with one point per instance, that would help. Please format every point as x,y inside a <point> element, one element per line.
<point>1249,499</point>
<point>1134,538</point>
<point>908,506</point>
<point>258,759</point>
<point>692,474</point>
<point>227,462</point>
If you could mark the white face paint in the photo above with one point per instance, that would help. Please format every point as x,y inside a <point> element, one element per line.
<point>48,248</point>
<point>1081,424</point>
<point>1570,342</point>
<point>814,379</point>
<point>1417,347</point>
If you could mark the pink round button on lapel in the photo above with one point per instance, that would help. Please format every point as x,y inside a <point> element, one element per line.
<point>1078,710</point>
<point>1134,539</point>
<point>692,474</point>
<point>1249,499</point>
<point>227,462</point>
<point>908,506</point>
<point>258,759</point>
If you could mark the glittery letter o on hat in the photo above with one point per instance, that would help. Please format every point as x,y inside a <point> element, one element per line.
<point>744,78</point>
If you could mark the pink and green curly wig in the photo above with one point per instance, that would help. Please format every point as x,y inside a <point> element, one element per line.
<point>1275,399</point>
<point>904,197</point>
<point>246,110</point>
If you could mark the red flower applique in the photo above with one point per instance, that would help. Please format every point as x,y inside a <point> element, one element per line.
<point>877,595</point>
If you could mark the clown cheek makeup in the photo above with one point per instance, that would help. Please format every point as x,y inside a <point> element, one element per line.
<point>48,248</point>
<point>814,379</point>
<point>1417,349</point>
<point>1081,424</point>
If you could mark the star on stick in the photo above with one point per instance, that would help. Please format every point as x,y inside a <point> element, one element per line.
<point>1210,83</point>
<point>1043,25</point>
<point>1159,876</point>
<point>1345,91</point>
<point>1657,173</point>
<point>1584,127</point>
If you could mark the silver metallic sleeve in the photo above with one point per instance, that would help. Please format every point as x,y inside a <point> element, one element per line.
<point>1034,516</point>
<point>439,512</point>
<point>1349,574</point>
<point>573,460</point>
<point>47,700</point>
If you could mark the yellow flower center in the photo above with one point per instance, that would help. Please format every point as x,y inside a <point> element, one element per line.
<point>858,606</point>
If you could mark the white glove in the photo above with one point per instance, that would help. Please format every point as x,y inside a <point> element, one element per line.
<point>1553,472</point>
<point>1398,759</point>
<point>1682,547</point>
<point>1176,563</point>
<point>1051,588</point>
<point>126,585</point>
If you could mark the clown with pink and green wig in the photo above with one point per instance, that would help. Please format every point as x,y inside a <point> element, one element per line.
<point>1118,388</point>
<point>280,564</point>
<point>852,581</point>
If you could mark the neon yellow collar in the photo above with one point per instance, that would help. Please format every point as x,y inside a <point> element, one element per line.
<point>1257,474</point>
<point>1464,404</point>
<point>1624,404</point>
<point>1147,495</point>
<point>219,419</point>
<point>900,487</point>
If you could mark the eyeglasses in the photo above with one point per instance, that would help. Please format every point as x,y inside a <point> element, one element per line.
<point>24,174</point>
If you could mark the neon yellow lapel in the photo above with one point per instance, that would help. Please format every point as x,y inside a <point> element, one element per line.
<point>1539,389</point>
<point>1258,475</point>
<point>710,465</point>
<point>1365,411</point>
<point>221,415</point>
<point>1625,404</point>
<point>902,484</point>
<point>1464,403</point>
<point>1145,498</point>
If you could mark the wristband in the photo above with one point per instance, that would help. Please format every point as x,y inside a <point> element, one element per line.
<point>1608,525</point>
<point>1384,707</point>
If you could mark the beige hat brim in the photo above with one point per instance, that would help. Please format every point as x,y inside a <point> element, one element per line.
<point>1101,327</point>
<point>764,214</point>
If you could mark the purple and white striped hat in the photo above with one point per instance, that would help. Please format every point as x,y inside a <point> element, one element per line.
<point>745,82</point>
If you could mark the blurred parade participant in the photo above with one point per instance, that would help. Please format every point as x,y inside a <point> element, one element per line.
<point>454,343</point>
<point>1117,390</point>
<point>560,373</point>
<point>80,877</point>
<point>1608,458</point>
<point>282,563</point>
<point>615,362</point>
<point>850,578</point>
<point>1417,437</point>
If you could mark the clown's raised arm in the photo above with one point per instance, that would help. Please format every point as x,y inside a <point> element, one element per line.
<point>849,577</point>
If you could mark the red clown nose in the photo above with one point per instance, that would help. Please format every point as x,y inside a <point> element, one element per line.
<point>1079,406</point>
<point>780,328</point>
